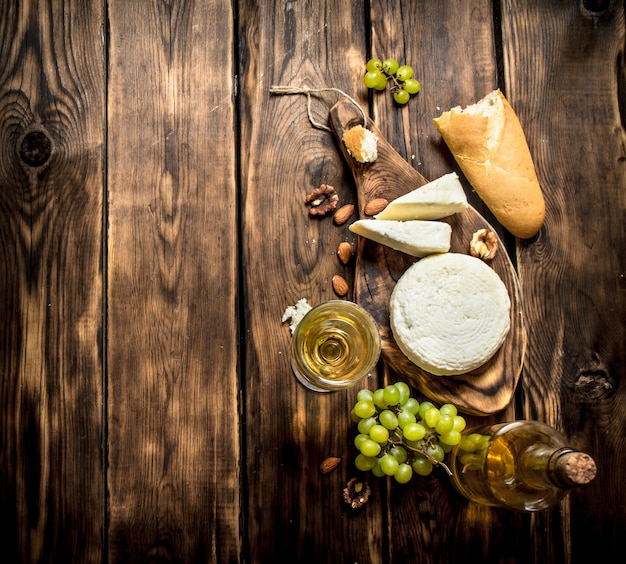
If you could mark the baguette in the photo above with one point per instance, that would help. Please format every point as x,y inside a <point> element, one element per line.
<point>488,143</point>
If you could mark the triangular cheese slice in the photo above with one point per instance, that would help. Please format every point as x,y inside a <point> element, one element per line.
<point>439,198</point>
<point>416,238</point>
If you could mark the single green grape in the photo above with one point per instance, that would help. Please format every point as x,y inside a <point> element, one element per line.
<point>354,417</point>
<point>404,73</point>
<point>399,453</point>
<point>445,423</point>
<point>389,465</point>
<point>377,470</point>
<point>436,452</point>
<point>374,65</point>
<point>382,82</point>
<point>412,86</point>
<point>379,434</point>
<point>421,465</point>
<point>369,448</point>
<point>365,394</point>
<point>424,407</point>
<point>391,395</point>
<point>379,400</point>
<point>448,409</point>
<point>372,78</point>
<point>388,419</point>
<point>404,473</point>
<point>359,439</point>
<point>474,442</point>
<point>451,438</point>
<point>411,405</point>
<point>458,423</point>
<point>401,96</point>
<point>431,417</point>
<point>364,463</point>
<point>414,432</point>
<point>404,418</point>
<point>366,424</point>
<point>364,408</point>
<point>390,66</point>
<point>405,391</point>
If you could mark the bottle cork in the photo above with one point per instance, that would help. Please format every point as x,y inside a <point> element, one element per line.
<point>576,468</point>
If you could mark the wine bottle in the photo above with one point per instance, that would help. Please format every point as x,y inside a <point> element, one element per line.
<point>523,465</point>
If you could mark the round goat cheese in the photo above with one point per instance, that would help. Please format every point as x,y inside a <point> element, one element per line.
<point>449,313</point>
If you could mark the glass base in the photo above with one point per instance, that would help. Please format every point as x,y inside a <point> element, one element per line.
<point>306,383</point>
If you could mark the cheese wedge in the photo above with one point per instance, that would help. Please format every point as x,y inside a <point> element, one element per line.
<point>416,238</point>
<point>449,313</point>
<point>440,198</point>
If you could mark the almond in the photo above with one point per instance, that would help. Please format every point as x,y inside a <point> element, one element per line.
<point>375,206</point>
<point>340,285</point>
<point>329,464</point>
<point>344,252</point>
<point>343,214</point>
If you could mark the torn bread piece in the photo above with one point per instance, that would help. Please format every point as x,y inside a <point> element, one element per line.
<point>488,143</point>
<point>361,144</point>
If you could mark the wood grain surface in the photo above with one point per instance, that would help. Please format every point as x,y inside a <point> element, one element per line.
<point>52,108</point>
<point>153,230</point>
<point>172,411</point>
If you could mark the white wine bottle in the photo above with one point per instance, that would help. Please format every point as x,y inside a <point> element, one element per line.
<point>523,465</point>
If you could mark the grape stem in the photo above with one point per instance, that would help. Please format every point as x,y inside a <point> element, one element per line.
<point>397,85</point>
<point>422,451</point>
<point>310,91</point>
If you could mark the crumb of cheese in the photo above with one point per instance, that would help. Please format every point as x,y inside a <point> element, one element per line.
<point>295,313</point>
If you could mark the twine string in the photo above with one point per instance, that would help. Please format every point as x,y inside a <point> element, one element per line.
<point>308,92</point>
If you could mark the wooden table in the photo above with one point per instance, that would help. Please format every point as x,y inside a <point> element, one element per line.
<point>153,231</point>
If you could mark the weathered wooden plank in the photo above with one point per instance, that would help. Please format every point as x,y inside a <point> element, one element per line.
<point>294,512</point>
<point>173,420</point>
<point>571,104</point>
<point>51,154</point>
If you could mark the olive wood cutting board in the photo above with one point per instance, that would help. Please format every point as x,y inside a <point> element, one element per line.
<point>483,391</point>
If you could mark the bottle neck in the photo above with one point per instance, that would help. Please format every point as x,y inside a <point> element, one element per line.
<point>543,465</point>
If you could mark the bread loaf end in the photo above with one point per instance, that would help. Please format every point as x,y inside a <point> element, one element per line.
<point>489,145</point>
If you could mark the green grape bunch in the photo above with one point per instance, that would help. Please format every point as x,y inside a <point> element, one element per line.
<point>399,436</point>
<point>380,73</point>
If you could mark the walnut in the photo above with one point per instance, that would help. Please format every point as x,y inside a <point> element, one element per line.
<point>484,244</point>
<point>322,200</point>
<point>356,493</point>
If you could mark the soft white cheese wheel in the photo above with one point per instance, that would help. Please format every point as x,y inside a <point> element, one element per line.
<point>449,313</point>
<point>416,238</point>
<point>439,198</point>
